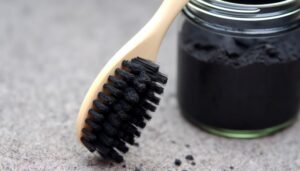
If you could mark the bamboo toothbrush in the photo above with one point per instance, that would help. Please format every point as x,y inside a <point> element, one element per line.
<point>117,102</point>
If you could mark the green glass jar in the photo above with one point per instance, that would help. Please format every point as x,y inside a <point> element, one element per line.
<point>239,66</point>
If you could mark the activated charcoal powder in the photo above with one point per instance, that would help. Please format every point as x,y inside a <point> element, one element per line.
<point>237,79</point>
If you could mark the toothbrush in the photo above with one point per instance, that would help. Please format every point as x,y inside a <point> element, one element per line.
<point>116,105</point>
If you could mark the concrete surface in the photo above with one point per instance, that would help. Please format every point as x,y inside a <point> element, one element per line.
<point>51,50</point>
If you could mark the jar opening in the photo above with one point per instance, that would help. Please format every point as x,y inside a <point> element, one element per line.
<point>260,17</point>
<point>254,1</point>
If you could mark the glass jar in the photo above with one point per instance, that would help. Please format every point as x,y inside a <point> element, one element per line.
<point>239,66</point>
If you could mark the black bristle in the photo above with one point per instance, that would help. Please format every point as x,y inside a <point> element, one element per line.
<point>100,106</point>
<point>114,120</point>
<point>122,105</point>
<point>154,99</point>
<point>147,64</point>
<point>106,140</point>
<point>112,90</point>
<point>108,100</point>
<point>97,116</point>
<point>118,107</point>
<point>129,138</point>
<point>118,83</point>
<point>139,86</point>
<point>88,145</point>
<point>121,146</point>
<point>122,115</point>
<point>122,108</point>
<point>141,112</point>
<point>149,106</point>
<point>104,151</point>
<point>147,116</point>
<point>121,134</point>
<point>139,122</point>
<point>131,129</point>
<point>143,77</point>
<point>126,136</point>
<point>93,124</point>
<point>131,95</point>
<point>109,129</point>
<point>87,135</point>
<point>125,75</point>
<point>134,68</point>
<point>156,88</point>
<point>125,106</point>
<point>161,78</point>
<point>158,77</point>
<point>116,157</point>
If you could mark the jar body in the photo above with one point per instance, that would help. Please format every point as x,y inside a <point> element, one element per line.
<point>238,86</point>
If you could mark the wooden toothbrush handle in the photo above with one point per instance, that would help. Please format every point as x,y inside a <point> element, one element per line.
<point>146,43</point>
<point>163,18</point>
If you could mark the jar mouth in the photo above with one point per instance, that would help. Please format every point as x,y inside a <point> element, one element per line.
<point>254,2</point>
<point>242,18</point>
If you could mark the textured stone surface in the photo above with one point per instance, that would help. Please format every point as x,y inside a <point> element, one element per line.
<point>50,52</point>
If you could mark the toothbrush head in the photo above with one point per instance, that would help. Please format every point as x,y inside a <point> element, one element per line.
<point>121,108</point>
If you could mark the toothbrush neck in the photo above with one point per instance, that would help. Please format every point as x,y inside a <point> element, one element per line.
<point>154,31</point>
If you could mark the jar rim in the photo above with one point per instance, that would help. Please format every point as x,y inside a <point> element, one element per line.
<point>268,18</point>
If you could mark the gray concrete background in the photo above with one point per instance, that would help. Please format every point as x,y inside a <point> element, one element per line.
<point>50,52</point>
